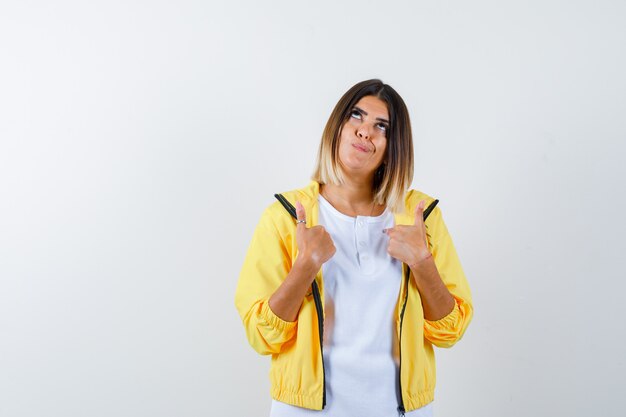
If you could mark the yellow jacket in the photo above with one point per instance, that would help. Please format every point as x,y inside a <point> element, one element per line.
<point>297,369</point>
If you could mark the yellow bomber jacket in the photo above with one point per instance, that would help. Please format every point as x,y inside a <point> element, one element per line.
<point>297,369</point>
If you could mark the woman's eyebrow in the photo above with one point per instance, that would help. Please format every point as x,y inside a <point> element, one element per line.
<point>360,110</point>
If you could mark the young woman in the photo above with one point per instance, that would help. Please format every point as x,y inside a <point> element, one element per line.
<point>350,296</point>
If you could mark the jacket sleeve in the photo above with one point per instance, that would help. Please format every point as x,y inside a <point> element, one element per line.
<point>265,266</point>
<point>448,330</point>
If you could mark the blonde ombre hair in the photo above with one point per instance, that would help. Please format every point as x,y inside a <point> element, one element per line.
<point>395,174</point>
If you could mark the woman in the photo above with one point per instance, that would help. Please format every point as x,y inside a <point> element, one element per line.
<point>350,298</point>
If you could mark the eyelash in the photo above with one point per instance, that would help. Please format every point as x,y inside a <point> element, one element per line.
<point>382,126</point>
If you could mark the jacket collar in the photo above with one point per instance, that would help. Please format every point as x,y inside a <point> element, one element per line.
<point>310,193</point>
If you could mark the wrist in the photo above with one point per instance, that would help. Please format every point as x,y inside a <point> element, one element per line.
<point>420,261</point>
<point>306,265</point>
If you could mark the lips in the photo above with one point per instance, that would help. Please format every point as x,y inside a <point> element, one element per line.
<point>360,147</point>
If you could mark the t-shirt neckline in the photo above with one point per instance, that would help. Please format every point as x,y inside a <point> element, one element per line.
<point>340,215</point>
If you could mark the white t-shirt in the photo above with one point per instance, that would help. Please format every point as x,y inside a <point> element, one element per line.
<point>361,288</point>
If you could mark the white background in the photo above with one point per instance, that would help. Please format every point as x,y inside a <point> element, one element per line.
<point>140,142</point>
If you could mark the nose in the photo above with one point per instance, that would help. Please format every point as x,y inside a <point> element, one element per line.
<point>363,132</point>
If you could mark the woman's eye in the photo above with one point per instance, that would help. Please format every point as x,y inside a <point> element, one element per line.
<point>356,114</point>
<point>382,127</point>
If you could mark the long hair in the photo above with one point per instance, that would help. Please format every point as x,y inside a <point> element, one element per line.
<point>395,174</point>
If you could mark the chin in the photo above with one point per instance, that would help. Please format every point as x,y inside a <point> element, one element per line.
<point>350,168</point>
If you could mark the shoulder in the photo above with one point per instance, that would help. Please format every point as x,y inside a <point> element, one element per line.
<point>412,199</point>
<point>305,194</point>
<point>277,213</point>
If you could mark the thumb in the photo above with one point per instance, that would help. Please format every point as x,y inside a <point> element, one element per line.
<point>419,212</point>
<point>301,215</point>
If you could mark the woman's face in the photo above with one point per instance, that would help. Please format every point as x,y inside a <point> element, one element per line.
<point>363,137</point>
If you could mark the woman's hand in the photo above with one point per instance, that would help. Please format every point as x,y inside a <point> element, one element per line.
<point>408,243</point>
<point>315,245</point>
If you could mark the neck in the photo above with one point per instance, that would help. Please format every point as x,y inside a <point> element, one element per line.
<point>353,198</point>
<point>353,192</point>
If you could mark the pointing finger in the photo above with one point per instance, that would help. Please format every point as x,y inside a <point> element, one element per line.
<point>301,215</point>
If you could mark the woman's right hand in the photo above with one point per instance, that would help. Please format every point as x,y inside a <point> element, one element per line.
<point>315,246</point>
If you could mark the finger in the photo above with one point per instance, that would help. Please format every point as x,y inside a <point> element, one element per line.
<point>419,213</point>
<point>388,230</point>
<point>300,215</point>
<point>424,235</point>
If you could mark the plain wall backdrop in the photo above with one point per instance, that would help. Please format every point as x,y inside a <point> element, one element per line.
<point>140,142</point>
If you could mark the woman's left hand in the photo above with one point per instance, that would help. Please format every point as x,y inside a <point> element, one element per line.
<point>408,243</point>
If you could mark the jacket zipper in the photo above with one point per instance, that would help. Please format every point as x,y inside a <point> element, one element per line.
<point>320,326</point>
<point>407,275</point>
<point>406,298</point>
<point>316,297</point>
